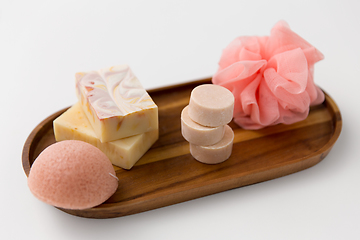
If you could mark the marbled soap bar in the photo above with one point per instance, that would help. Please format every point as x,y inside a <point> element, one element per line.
<point>115,103</point>
<point>124,153</point>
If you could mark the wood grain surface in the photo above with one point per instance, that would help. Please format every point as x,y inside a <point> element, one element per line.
<point>167,174</point>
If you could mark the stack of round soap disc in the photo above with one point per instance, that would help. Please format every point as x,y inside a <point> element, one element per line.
<point>72,174</point>
<point>204,123</point>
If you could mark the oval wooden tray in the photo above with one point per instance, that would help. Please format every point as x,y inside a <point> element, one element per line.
<point>167,174</point>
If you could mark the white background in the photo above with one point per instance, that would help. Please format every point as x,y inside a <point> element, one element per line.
<point>43,44</point>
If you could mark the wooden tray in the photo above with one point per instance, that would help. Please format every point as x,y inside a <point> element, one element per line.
<point>167,174</point>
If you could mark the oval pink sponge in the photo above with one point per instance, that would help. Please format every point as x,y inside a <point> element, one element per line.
<point>73,175</point>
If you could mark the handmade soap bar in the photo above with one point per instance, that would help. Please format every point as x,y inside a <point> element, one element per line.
<point>115,103</point>
<point>197,134</point>
<point>124,153</point>
<point>216,153</point>
<point>211,105</point>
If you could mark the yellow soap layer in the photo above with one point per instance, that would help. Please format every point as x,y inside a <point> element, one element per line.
<point>124,153</point>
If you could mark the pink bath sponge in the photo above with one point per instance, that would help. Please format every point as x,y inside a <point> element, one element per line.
<point>73,175</point>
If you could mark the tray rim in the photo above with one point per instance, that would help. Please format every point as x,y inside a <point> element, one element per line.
<point>36,133</point>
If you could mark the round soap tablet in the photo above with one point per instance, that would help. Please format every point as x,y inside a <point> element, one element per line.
<point>211,105</point>
<point>198,134</point>
<point>216,153</point>
<point>72,174</point>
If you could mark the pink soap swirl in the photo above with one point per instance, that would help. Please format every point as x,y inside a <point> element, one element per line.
<point>271,77</point>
